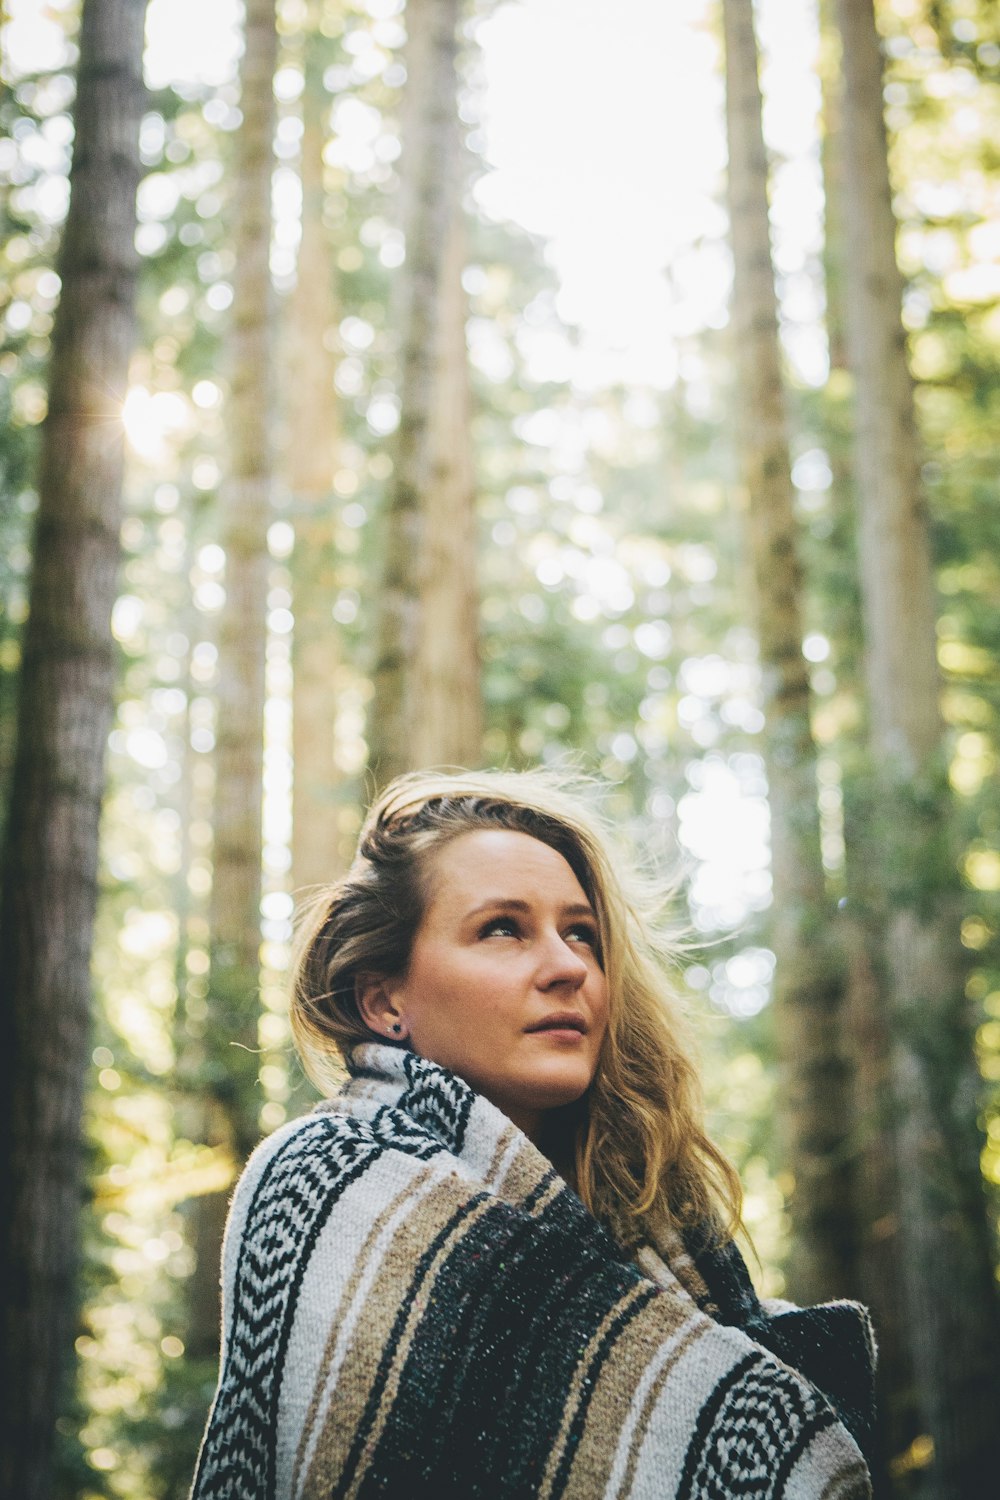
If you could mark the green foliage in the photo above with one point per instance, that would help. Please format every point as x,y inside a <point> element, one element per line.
<point>614,617</point>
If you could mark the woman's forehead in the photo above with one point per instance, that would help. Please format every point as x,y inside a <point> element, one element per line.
<point>502,863</point>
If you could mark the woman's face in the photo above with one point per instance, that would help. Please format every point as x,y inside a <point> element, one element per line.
<point>504,985</point>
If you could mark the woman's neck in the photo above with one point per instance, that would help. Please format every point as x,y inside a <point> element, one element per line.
<point>556,1139</point>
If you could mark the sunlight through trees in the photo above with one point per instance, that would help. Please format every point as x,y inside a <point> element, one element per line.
<point>515,382</point>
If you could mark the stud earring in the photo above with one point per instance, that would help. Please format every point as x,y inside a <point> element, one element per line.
<point>396,1028</point>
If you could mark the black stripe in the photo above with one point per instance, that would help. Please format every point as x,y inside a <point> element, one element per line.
<point>385,1364</point>
<point>706,1420</point>
<point>589,1383</point>
<point>318,1224</point>
<point>482,1393</point>
<point>282,1225</point>
<point>436,1099</point>
<point>537,1193</point>
<point>815,1425</point>
<point>759,1420</point>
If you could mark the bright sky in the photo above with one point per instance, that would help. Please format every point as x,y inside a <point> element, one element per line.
<point>603,127</point>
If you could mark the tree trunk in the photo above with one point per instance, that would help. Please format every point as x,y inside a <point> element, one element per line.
<point>844,601</point>
<point>312,434</point>
<point>231,1042</point>
<point>866,1034</point>
<point>807,980</point>
<point>65,711</point>
<point>951,1319</point>
<point>447,700</point>
<point>426,704</point>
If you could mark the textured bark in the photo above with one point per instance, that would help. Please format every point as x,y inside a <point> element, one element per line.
<point>65,711</point>
<point>246,508</point>
<point>312,446</point>
<point>423,707</point>
<point>832,164</point>
<point>230,1043</point>
<point>447,701</point>
<point>866,1032</point>
<point>843,605</point>
<point>895,552</point>
<point>807,980</point>
<point>951,1314</point>
<point>876,1184</point>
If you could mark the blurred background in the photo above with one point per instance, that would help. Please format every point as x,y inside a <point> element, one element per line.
<point>494,384</point>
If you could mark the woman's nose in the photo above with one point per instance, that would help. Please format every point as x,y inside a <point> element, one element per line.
<point>561,963</point>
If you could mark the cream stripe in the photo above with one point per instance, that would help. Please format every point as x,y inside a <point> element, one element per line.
<point>350,1309</point>
<point>646,1395</point>
<point>575,1391</point>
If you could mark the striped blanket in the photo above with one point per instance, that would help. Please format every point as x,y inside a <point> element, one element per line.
<point>415,1304</point>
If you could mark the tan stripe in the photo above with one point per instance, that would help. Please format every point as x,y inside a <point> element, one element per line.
<point>411,1189</point>
<point>670,1251</point>
<point>549,1195</point>
<point>503,1145</point>
<point>652,1399</point>
<point>523,1175</point>
<point>851,1483</point>
<point>416,1312</point>
<point>575,1393</point>
<point>373,1333</point>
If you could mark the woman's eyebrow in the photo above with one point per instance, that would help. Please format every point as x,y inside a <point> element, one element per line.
<point>507,903</point>
<point>514,903</point>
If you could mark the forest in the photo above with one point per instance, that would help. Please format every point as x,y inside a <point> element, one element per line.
<point>403,383</point>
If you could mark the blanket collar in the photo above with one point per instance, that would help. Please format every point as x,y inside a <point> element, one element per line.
<point>433,1098</point>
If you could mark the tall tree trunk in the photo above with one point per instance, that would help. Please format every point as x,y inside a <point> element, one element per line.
<point>844,607</point>
<point>952,1319</point>
<point>312,423</point>
<point>231,1042</point>
<point>423,708</point>
<point>866,1032</point>
<point>447,714</point>
<point>807,980</point>
<point>65,711</point>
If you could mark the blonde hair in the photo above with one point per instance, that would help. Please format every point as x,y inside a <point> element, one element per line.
<point>643,1163</point>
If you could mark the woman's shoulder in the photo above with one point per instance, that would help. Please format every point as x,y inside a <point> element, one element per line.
<point>312,1159</point>
<point>296,1145</point>
<point>290,1162</point>
<point>327,1142</point>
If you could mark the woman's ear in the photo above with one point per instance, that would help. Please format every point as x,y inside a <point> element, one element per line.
<point>377,1007</point>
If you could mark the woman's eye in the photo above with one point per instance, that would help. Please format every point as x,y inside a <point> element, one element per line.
<point>584,935</point>
<point>499,927</point>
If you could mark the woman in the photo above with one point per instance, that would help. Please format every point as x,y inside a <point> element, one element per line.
<point>498,1259</point>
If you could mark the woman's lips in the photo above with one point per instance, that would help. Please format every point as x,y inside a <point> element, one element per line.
<point>561,1025</point>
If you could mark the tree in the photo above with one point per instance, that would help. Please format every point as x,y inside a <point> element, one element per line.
<point>951,1310</point>
<point>65,709</point>
<point>231,1058</point>
<point>425,706</point>
<point>834,572</point>
<point>312,428</point>
<point>807,981</point>
<point>447,717</point>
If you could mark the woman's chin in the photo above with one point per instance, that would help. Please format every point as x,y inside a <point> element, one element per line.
<point>553,1089</point>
